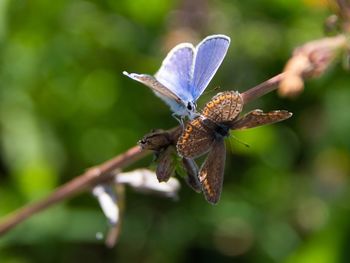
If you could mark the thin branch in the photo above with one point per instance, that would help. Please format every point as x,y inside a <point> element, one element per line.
<point>90,178</point>
<point>262,89</point>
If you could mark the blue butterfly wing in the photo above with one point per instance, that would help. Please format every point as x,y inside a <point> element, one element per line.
<point>155,85</point>
<point>173,100</point>
<point>175,72</point>
<point>208,57</point>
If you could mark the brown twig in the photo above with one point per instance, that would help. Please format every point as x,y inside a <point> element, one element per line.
<point>262,89</point>
<point>91,177</point>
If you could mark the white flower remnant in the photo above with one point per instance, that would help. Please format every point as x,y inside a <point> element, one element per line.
<point>146,181</point>
<point>108,202</point>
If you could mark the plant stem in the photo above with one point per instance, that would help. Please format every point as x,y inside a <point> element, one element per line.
<point>85,181</point>
<point>262,89</point>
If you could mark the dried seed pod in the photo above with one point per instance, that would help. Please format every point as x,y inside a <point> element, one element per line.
<point>159,140</point>
<point>309,61</point>
<point>166,164</point>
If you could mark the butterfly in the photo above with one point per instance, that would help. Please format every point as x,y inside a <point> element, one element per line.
<point>185,73</point>
<point>206,133</point>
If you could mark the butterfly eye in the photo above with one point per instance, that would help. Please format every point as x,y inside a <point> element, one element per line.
<point>189,106</point>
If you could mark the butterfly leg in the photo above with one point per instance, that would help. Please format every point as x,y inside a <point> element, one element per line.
<point>180,120</point>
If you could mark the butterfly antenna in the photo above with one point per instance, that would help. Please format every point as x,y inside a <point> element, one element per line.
<point>211,91</point>
<point>237,140</point>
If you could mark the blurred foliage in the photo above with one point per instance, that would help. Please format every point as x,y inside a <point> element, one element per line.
<point>65,106</point>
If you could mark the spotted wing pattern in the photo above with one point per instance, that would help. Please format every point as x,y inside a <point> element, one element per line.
<point>211,174</point>
<point>257,118</point>
<point>223,107</point>
<point>196,139</point>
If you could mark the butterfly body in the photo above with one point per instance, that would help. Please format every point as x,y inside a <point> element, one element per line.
<point>185,73</point>
<point>182,108</point>
<point>222,131</point>
<point>214,123</point>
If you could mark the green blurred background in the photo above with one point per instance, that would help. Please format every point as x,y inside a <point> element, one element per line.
<point>65,106</point>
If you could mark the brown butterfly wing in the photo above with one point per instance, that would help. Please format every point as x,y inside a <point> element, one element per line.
<point>223,107</point>
<point>196,139</point>
<point>211,174</point>
<point>191,178</point>
<point>257,118</point>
